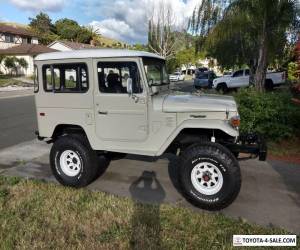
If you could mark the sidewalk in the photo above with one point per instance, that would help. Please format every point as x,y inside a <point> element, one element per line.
<point>270,193</point>
<point>16,93</point>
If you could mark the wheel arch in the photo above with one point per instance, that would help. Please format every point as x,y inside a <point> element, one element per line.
<point>194,131</point>
<point>62,129</point>
<point>220,84</point>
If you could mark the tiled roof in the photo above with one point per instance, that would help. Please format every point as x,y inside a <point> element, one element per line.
<point>74,45</point>
<point>26,49</point>
<point>15,30</point>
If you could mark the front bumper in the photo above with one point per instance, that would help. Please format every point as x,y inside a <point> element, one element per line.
<point>250,143</point>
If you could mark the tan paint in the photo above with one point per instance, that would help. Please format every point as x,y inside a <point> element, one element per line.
<point>131,127</point>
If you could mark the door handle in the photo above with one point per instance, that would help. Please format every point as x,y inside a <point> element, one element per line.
<point>198,116</point>
<point>102,112</point>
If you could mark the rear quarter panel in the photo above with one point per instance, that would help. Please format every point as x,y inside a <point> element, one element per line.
<point>64,108</point>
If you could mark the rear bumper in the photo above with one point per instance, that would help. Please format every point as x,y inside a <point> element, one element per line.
<point>252,144</point>
<point>202,84</point>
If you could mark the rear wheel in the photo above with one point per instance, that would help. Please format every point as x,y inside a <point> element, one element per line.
<point>269,85</point>
<point>209,176</point>
<point>73,162</point>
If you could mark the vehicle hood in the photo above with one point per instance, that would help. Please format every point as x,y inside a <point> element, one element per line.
<point>197,103</point>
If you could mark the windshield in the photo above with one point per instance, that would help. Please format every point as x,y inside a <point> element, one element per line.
<point>156,71</point>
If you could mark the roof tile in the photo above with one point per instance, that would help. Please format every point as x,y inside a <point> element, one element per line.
<point>26,49</point>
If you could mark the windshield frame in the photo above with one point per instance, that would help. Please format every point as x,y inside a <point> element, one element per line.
<point>156,62</point>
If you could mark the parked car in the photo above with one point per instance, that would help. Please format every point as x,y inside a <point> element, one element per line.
<point>227,73</point>
<point>204,79</point>
<point>97,118</point>
<point>202,69</point>
<point>177,76</point>
<point>240,78</point>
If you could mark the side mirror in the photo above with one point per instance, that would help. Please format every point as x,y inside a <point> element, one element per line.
<point>129,86</point>
<point>154,90</point>
<point>150,82</point>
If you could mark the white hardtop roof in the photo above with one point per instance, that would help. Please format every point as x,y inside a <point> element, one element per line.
<point>95,53</point>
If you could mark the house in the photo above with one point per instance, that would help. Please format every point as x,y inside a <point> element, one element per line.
<point>18,41</point>
<point>13,35</point>
<point>26,51</point>
<point>67,45</point>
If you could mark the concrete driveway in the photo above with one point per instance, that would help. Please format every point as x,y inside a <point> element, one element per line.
<point>270,193</point>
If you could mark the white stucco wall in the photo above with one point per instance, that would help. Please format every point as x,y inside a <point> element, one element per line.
<point>17,41</point>
<point>34,40</point>
<point>59,46</point>
<point>4,45</point>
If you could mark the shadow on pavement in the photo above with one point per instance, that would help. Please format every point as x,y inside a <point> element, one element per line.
<point>173,170</point>
<point>145,220</point>
<point>290,174</point>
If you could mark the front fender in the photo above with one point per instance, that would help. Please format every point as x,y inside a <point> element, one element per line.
<point>200,124</point>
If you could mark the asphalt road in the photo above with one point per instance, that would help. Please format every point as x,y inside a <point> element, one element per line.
<point>17,120</point>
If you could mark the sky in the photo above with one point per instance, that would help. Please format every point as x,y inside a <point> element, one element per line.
<point>124,20</point>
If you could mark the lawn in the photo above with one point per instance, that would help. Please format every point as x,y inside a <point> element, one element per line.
<point>6,80</point>
<point>41,215</point>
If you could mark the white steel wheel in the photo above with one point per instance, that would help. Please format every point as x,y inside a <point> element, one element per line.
<point>70,163</point>
<point>206,178</point>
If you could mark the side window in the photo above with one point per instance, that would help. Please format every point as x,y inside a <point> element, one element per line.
<point>56,78</point>
<point>112,77</point>
<point>70,78</point>
<point>35,80</point>
<point>238,73</point>
<point>247,72</point>
<point>47,78</point>
<point>66,77</point>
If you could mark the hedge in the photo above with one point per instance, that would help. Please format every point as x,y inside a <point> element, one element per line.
<point>271,114</point>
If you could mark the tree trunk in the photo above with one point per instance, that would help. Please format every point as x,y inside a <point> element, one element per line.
<point>260,74</point>
<point>252,68</point>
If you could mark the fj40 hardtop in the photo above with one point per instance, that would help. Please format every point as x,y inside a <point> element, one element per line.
<point>104,102</point>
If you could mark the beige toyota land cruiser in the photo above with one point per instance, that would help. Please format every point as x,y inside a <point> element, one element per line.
<point>103,102</point>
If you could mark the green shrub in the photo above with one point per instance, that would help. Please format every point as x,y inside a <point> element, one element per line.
<point>271,114</point>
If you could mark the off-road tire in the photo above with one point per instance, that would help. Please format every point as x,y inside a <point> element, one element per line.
<point>222,87</point>
<point>228,166</point>
<point>269,86</point>
<point>88,159</point>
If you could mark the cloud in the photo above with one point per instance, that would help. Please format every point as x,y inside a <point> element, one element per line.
<point>127,20</point>
<point>116,29</point>
<point>39,5</point>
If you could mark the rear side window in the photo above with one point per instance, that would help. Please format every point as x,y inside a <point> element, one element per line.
<point>65,78</point>
<point>35,80</point>
<point>202,75</point>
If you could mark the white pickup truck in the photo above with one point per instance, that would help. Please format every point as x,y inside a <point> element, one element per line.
<point>240,78</point>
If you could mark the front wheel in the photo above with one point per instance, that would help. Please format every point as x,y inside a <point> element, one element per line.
<point>222,87</point>
<point>209,176</point>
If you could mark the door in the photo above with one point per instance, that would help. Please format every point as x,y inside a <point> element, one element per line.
<point>237,79</point>
<point>119,116</point>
